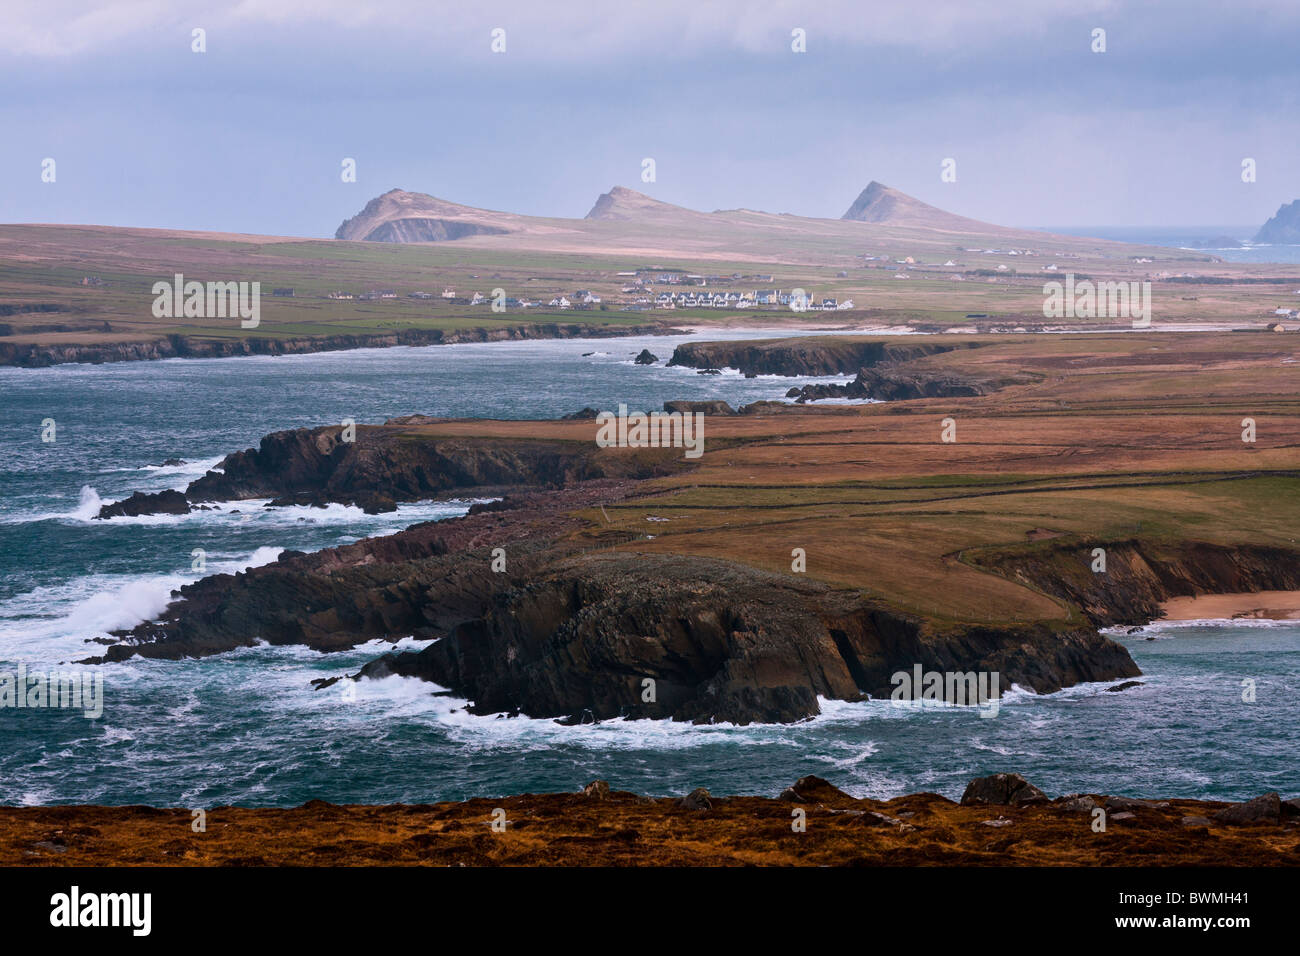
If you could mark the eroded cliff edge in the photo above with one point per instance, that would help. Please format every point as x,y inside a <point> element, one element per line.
<point>538,604</point>
<point>40,355</point>
<point>570,629</point>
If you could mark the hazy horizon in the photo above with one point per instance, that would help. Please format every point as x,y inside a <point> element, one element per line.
<point>249,136</point>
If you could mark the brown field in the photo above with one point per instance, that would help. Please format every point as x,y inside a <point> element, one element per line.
<point>1124,436</point>
<point>627,830</point>
<point>44,302</point>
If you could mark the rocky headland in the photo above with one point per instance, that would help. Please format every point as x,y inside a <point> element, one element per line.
<point>633,582</point>
<point>36,355</point>
<point>885,369</point>
<point>1284,227</point>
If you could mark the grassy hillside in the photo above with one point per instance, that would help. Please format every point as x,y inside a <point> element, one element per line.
<point>1132,437</point>
<point>43,268</point>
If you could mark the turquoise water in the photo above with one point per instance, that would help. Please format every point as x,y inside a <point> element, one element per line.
<point>247,728</point>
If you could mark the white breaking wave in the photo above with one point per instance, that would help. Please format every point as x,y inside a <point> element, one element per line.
<point>258,511</point>
<point>1159,627</point>
<point>52,624</point>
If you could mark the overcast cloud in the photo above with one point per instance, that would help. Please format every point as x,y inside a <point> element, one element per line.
<point>249,136</point>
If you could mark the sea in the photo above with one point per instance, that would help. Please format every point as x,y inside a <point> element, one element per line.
<point>247,728</point>
<point>1206,239</point>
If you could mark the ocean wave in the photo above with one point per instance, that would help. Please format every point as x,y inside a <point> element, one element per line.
<point>50,623</point>
<point>258,511</point>
<point>1157,628</point>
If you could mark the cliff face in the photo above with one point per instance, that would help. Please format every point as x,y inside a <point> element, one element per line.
<point>181,346</point>
<point>317,466</point>
<point>628,635</point>
<point>803,357</point>
<point>560,632</point>
<point>426,229</point>
<point>891,384</point>
<point>1141,575</point>
<point>422,582</point>
<point>386,464</point>
<point>576,636</point>
<point>1284,227</point>
<point>401,216</point>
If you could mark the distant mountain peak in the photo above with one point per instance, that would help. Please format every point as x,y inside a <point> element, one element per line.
<point>401,216</point>
<point>880,203</point>
<point>883,204</point>
<point>621,203</point>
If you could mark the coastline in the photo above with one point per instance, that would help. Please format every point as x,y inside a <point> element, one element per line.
<point>44,355</point>
<point>1257,605</point>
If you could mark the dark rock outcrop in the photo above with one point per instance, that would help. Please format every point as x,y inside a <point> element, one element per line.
<point>646,358</point>
<point>813,789</point>
<point>1141,575</point>
<point>890,384</point>
<point>807,356</point>
<point>697,799</point>
<point>422,581</point>
<point>1124,686</point>
<point>306,465</point>
<point>140,503</point>
<point>32,355</point>
<point>596,790</point>
<point>707,407</point>
<point>383,466</point>
<point>1263,809</point>
<point>642,635</point>
<point>1001,789</point>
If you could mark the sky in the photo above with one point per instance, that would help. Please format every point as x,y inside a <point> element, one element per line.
<point>250,135</point>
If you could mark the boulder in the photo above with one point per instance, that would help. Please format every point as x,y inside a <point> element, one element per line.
<point>812,789</point>
<point>374,504</point>
<point>873,819</point>
<point>1129,803</point>
<point>1266,808</point>
<point>1124,686</point>
<point>1077,803</point>
<point>708,407</point>
<point>646,358</point>
<point>697,799</point>
<point>158,503</point>
<point>1001,789</point>
<point>596,790</point>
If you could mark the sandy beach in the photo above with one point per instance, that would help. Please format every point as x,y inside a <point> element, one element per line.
<point>1263,605</point>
